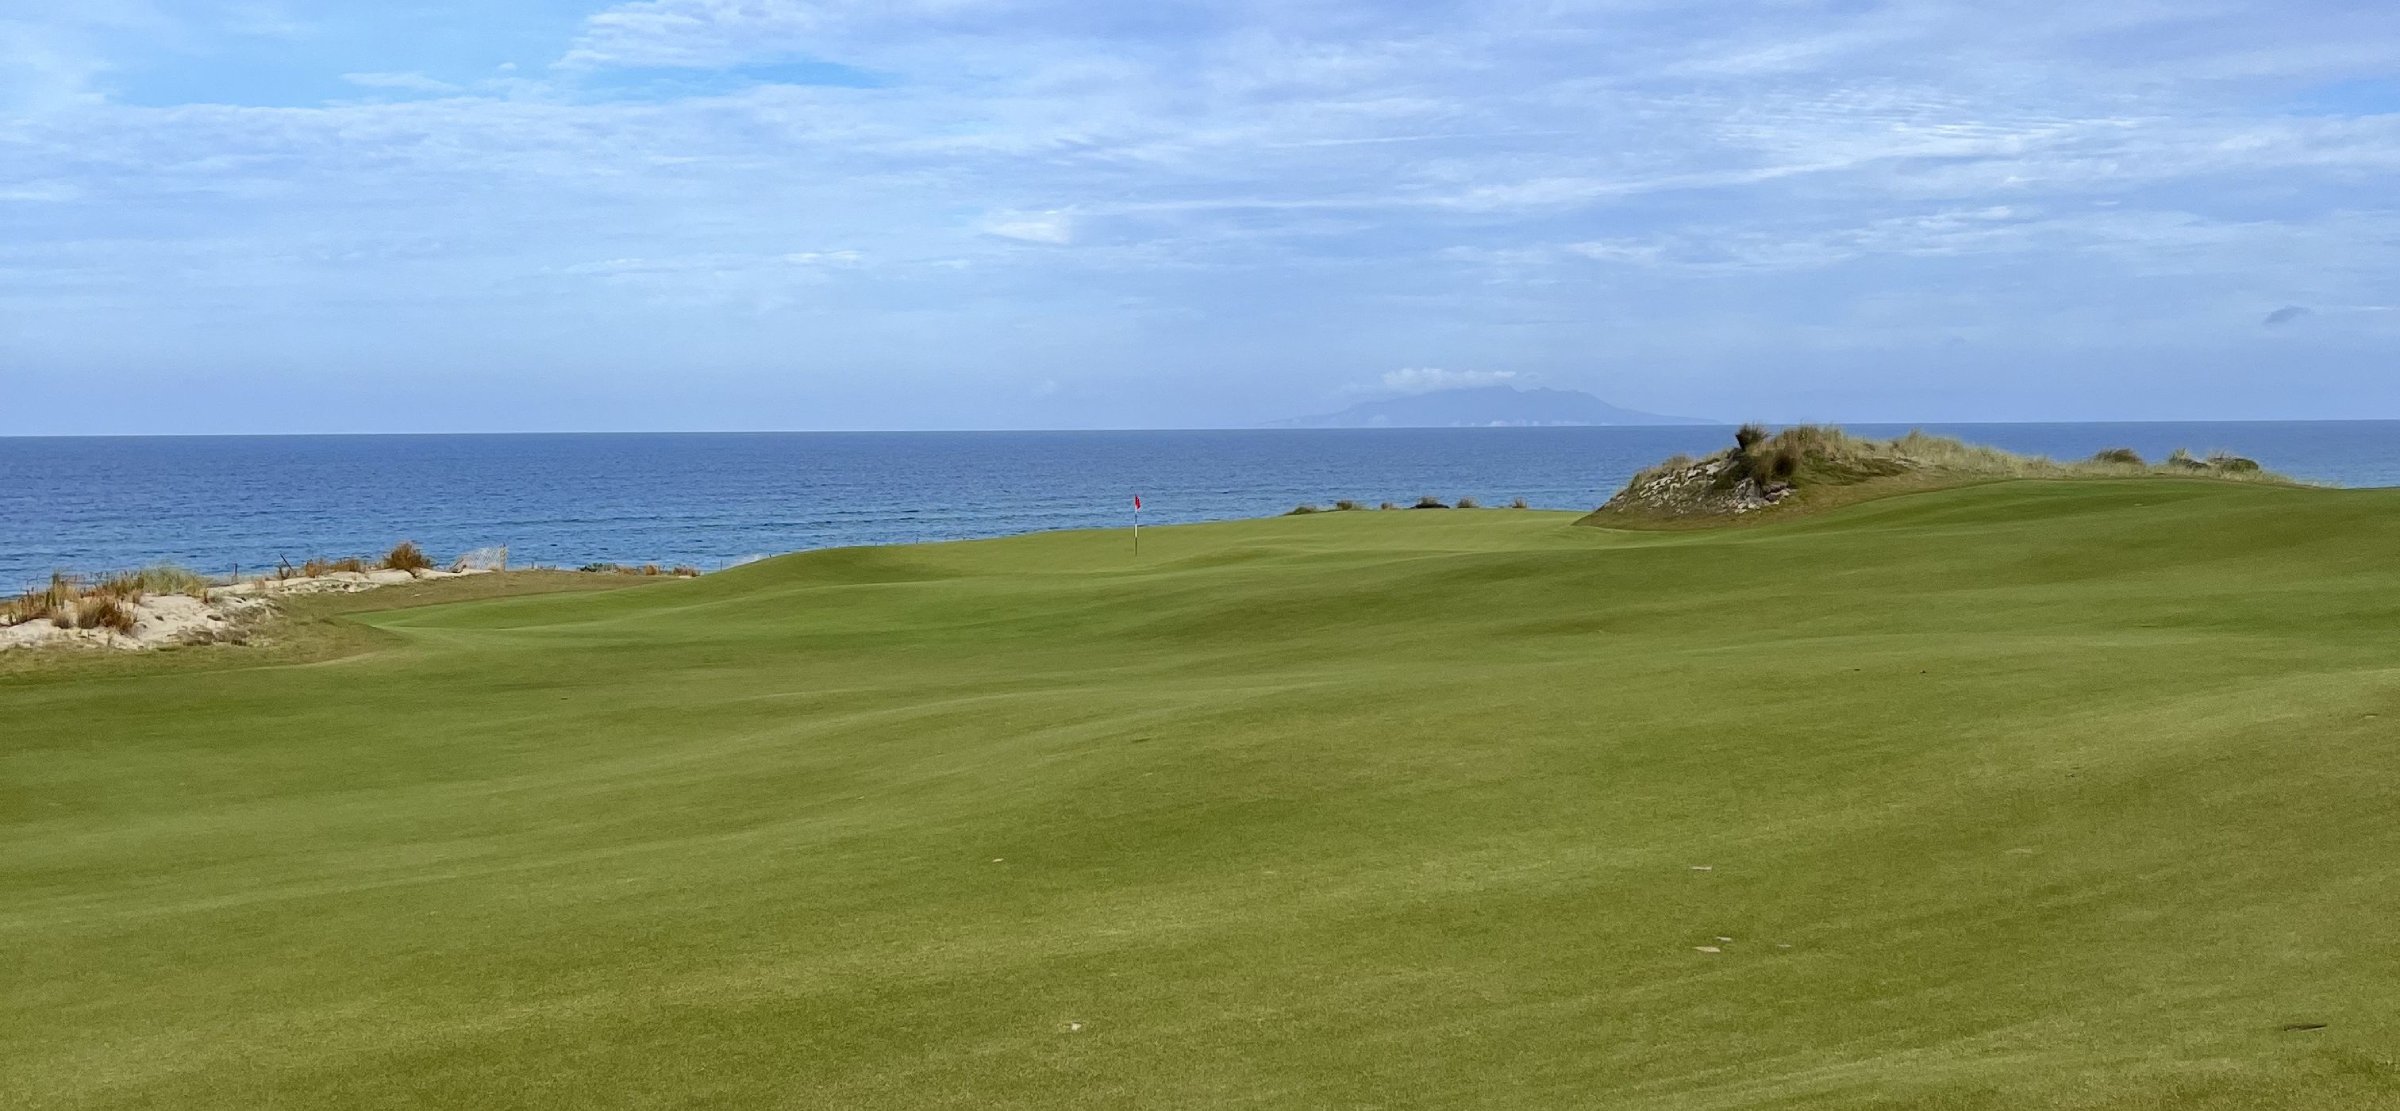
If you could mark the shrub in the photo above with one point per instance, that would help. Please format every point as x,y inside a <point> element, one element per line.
<point>1518,503</point>
<point>2182,460</point>
<point>1297,510</point>
<point>1429,502</point>
<point>685,571</point>
<point>651,569</point>
<point>102,611</point>
<point>2232,464</point>
<point>1748,436</point>
<point>1387,505</point>
<point>406,556</point>
<point>1468,503</point>
<point>2120,456</point>
<point>1346,505</point>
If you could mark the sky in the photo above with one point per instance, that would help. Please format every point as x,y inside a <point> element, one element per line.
<point>249,216</point>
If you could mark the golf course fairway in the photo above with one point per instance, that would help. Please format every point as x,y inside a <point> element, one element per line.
<point>2026,794</point>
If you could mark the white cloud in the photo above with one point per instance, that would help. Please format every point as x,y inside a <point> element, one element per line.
<point>706,33</point>
<point>1328,184</point>
<point>1053,228</point>
<point>401,82</point>
<point>1427,379</point>
<point>265,20</point>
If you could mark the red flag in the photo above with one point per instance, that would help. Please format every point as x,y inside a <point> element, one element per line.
<point>1137,501</point>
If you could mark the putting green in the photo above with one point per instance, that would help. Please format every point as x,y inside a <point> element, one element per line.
<point>2031,794</point>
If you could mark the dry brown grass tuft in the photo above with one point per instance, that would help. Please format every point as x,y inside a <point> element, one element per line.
<point>406,556</point>
<point>104,611</point>
<point>55,601</point>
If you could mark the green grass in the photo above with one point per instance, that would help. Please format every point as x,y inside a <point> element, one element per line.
<point>2027,794</point>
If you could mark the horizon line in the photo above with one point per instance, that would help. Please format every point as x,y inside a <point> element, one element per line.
<point>1279,427</point>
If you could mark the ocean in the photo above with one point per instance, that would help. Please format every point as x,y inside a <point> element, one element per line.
<point>217,504</point>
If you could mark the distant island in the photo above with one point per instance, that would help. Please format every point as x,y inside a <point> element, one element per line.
<point>1484,407</point>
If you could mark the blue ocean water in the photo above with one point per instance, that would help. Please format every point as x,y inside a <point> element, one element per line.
<point>215,503</point>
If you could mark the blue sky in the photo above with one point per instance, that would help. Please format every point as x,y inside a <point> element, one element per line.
<point>254,216</point>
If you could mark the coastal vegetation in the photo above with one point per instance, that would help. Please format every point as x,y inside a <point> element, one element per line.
<point>1819,467</point>
<point>647,570</point>
<point>1428,501</point>
<point>406,556</point>
<point>2051,793</point>
<point>168,606</point>
<point>106,602</point>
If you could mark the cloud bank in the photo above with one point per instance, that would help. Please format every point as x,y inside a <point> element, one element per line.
<point>1429,379</point>
<point>942,213</point>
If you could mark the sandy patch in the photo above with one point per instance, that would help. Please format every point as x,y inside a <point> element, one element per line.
<point>227,614</point>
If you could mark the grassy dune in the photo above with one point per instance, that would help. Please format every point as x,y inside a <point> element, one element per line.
<point>2030,794</point>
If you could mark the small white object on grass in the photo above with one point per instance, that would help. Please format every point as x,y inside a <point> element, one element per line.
<point>1704,867</point>
<point>1706,949</point>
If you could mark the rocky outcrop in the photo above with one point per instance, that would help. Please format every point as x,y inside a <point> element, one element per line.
<point>1706,487</point>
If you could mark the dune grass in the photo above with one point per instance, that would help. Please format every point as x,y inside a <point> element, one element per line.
<point>102,602</point>
<point>2029,794</point>
<point>1808,468</point>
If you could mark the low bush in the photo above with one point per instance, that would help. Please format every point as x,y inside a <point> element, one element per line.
<point>1346,505</point>
<point>102,611</point>
<point>1429,502</point>
<point>406,556</point>
<point>2232,464</point>
<point>1297,510</point>
<point>685,571</point>
<point>1518,503</point>
<point>1468,503</point>
<point>1387,505</point>
<point>2119,456</point>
